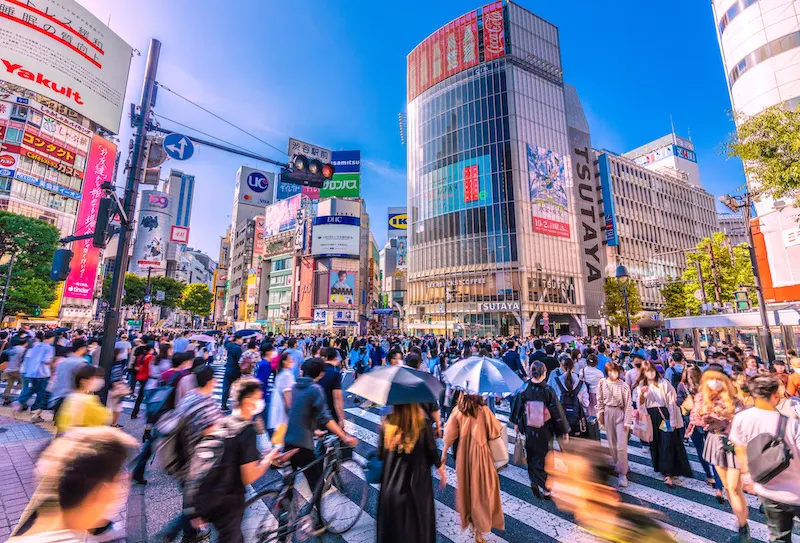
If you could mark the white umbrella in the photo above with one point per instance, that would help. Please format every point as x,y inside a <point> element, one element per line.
<point>202,338</point>
<point>566,339</point>
<point>483,375</point>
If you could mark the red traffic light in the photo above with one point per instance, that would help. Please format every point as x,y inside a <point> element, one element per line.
<point>327,171</point>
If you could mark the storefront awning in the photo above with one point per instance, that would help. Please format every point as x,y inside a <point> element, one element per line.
<point>784,315</point>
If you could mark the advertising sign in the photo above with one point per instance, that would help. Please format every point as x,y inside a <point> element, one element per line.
<point>397,222</point>
<point>287,190</point>
<point>336,236</point>
<point>258,239</point>
<point>447,192</point>
<point>494,32</point>
<point>609,215</point>
<point>472,187</point>
<point>179,234</point>
<point>402,253</point>
<point>547,183</point>
<point>282,216</point>
<point>346,161</point>
<point>666,152</point>
<point>153,230</point>
<point>297,147</point>
<point>305,296</point>
<point>321,315</point>
<point>278,245</point>
<point>550,227</point>
<point>342,185</point>
<point>343,316</point>
<point>8,164</point>
<point>99,168</point>
<point>48,147</point>
<point>342,288</point>
<point>255,187</point>
<point>47,185</point>
<point>250,301</point>
<point>58,49</point>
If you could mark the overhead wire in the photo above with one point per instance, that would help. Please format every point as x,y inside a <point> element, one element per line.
<point>203,133</point>
<point>221,118</point>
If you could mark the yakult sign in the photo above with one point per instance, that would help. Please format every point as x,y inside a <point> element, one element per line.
<point>99,169</point>
<point>58,49</point>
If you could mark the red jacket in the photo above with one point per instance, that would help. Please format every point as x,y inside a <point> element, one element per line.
<point>142,366</point>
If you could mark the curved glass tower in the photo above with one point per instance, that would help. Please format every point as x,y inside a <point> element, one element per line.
<point>494,246</point>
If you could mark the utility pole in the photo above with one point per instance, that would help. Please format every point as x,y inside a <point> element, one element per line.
<point>131,195</point>
<point>445,310</point>
<point>702,282</point>
<point>715,274</point>
<point>146,293</point>
<point>5,289</point>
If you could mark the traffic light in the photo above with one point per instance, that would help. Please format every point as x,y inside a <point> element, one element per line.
<point>60,268</point>
<point>311,173</point>
<point>104,212</point>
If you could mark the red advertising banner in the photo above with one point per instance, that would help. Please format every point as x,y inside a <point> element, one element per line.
<point>2,131</point>
<point>468,42</point>
<point>494,33</point>
<point>550,227</point>
<point>451,57</point>
<point>259,246</point>
<point>472,186</point>
<point>48,147</point>
<point>99,169</point>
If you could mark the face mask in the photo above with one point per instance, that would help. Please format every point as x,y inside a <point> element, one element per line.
<point>750,372</point>
<point>95,385</point>
<point>715,385</point>
<point>258,407</point>
<point>651,375</point>
<point>496,353</point>
<point>731,360</point>
<point>613,375</point>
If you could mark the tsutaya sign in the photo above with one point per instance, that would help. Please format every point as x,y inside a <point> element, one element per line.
<point>494,307</point>
<point>481,280</point>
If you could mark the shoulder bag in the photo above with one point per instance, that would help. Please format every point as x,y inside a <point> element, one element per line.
<point>767,454</point>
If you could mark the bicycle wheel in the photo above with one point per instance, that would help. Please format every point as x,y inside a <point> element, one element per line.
<point>272,517</point>
<point>344,496</point>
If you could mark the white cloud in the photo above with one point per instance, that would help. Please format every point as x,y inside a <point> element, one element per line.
<point>385,170</point>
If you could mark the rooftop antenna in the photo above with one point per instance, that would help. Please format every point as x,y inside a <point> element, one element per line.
<point>672,124</point>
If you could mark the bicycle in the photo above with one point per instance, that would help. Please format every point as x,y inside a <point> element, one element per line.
<point>339,498</point>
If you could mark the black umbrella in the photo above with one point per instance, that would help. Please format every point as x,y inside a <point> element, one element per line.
<point>61,330</point>
<point>397,385</point>
<point>246,333</point>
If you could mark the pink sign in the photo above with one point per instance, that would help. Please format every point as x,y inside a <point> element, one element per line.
<point>550,227</point>
<point>99,169</point>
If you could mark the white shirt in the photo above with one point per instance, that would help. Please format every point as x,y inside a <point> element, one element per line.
<point>278,413</point>
<point>592,376</point>
<point>124,349</point>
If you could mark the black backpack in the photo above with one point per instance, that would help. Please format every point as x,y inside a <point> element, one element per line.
<point>767,454</point>
<point>573,408</point>
<point>675,377</point>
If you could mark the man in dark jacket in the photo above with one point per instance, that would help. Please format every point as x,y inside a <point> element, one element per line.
<point>549,360</point>
<point>232,370</point>
<point>512,360</point>
<point>540,401</point>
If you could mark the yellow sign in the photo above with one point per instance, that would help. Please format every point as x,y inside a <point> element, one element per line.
<point>399,222</point>
<point>52,311</point>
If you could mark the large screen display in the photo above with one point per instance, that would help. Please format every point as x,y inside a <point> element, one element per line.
<point>336,236</point>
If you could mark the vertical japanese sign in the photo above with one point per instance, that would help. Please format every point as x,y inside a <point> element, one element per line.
<point>472,187</point>
<point>99,169</point>
<point>494,32</point>
<point>258,243</point>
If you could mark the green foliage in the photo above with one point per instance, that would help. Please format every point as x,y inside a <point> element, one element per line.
<point>769,146</point>
<point>173,291</point>
<point>197,300</point>
<point>614,309</point>
<point>33,242</point>
<point>134,287</point>
<point>675,302</point>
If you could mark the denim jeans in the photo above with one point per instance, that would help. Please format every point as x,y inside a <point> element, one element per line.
<point>780,518</point>
<point>699,441</point>
<point>31,386</point>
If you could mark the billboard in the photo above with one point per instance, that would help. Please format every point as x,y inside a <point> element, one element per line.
<point>255,187</point>
<point>402,253</point>
<point>397,222</point>
<point>342,185</point>
<point>346,161</point>
<point>609,215</point>
<point>666,152</point>
<point>179,234</point>
<point>287,190</point>
<point>258,238</point>
<point>547,183</point>
<point>336,236</point>
<point>8,163</point>
<point>58,49</point>
<point>100,169</point>
<point>494,33</point>
<point>449,190</point>
<point>252,298</point>
<point>282,216</point>
<point>153,230</point>
<point>342,288</point>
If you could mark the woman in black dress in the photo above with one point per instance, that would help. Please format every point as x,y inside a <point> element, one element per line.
<point>407,447</point>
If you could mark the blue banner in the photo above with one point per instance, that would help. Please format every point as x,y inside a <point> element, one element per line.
<point>355,221</point>
<point>346,161</point>
<point>610,216</point>
<point>46,185</point>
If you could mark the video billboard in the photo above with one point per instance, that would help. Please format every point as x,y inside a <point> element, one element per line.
<point>342,288</point>
<point>282,216</point>
<point>100,167</point>
<point>547,182</point>
<point>452,187</point>
<point>336,236</point>
<point>58,49</point>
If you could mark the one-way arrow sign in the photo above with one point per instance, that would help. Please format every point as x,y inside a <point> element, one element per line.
<point>178,146</point>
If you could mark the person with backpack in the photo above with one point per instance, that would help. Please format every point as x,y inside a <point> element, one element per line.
<point>359,359</point>
<point>574,397</point>
<point>537,412</point>
<point>250,358</point>
<point>675,370</point>
<point>767,447</point>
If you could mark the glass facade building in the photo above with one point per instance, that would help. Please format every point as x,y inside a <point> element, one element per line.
<point>492,220</point>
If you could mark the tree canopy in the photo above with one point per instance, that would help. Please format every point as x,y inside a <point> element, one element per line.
<point>769,146</point>
<point>614,308</point>
<point>197,300</point>
<point>135,287</point>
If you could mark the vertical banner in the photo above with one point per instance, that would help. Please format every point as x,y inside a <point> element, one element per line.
<point>99,169</point>
<point>258,240</point>
<point>472,186</point>
<point>469,41</point>
<point>494,32</point>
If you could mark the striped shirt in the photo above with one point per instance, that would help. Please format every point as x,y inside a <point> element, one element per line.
<point>615,394</point>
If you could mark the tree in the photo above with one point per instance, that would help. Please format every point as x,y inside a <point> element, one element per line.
<point>674,294</point>
<point>33,243</point>
<point>769,146</point>
<point>134,287</point>
<point>173,291</point>
<point>614,309</point>
<point>197,300</point>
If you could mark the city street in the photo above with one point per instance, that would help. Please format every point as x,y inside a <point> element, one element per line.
<point>690,509</point>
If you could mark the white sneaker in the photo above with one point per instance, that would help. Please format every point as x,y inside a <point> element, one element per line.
<point>623,481</point>
<point>114,532</point>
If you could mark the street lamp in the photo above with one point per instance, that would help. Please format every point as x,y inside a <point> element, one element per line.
<point>743,205</point>
<point>623,277</point>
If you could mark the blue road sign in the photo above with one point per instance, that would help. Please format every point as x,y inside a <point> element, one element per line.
<point>148,298</point>
<point>178,146</point>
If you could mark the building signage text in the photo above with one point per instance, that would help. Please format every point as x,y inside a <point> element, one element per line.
<point>464,281</point>
<point>494,307</point>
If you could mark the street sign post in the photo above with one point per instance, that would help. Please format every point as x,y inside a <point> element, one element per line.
<point>178,146</point>
<point>148,298</point>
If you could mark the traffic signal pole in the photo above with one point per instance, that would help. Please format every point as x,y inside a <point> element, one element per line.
<point>112,317</point>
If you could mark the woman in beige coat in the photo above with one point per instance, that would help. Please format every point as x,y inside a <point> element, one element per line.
<point>478,493</point>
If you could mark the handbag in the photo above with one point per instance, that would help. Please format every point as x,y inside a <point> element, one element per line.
<point>592,429</point>
<point>666,424</point>
<point>374,469</point>
<point>767,454</point>
<point>643,426</point>
<point>499,448</point>
<point>520,457</point>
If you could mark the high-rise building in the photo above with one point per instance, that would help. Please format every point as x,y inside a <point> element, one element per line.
<point>494,228</point>
<point>731,225</point>
<point>651,219</point>
<point>760,41</point>
<point>670,152</point>
<point>180,187</point>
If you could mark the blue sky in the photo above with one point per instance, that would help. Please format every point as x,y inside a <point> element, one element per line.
<point>333,73</point>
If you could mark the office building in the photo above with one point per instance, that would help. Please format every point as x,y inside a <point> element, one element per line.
<point>651,218</point>
<point>494,231</point>
<point>669,152</point>
<point>759,42</point>
<point>732,226</point>
<point>180,187</point>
